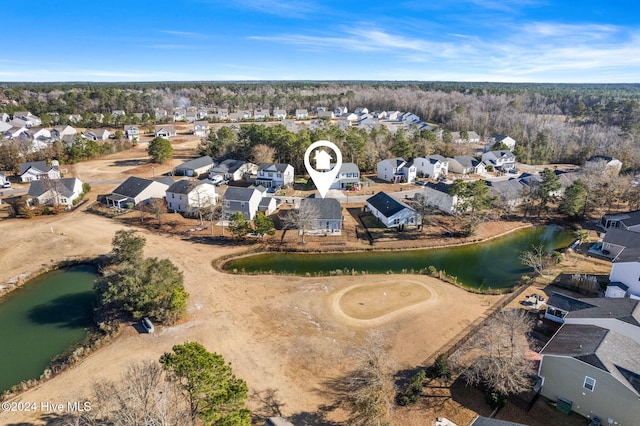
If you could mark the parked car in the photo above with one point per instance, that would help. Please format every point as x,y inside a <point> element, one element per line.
<point>147,325</point>
<point>218,180</point>
<point>420,182</point>
<point>6,185</point>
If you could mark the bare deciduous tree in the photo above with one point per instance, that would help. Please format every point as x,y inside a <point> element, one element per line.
<point>262,153</point>
<point>142,396</point>
<point>499,354</point>
<point>301,218</point>
<point>537,258</point>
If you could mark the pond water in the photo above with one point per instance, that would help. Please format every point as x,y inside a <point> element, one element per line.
<point>493,264</point>
<point>41,319</point>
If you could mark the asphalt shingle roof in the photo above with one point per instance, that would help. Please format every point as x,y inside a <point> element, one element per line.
<point>386,204</point>
<point>132,187</point>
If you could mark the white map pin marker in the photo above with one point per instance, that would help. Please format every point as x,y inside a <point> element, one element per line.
<point>323,180</point>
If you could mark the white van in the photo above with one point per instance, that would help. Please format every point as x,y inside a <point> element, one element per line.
<point>216,179</point>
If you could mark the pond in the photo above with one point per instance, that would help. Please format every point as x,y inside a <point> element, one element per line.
<point>493,264</point>
<point>43,318</point>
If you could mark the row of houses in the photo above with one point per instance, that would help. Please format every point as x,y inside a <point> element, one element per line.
<point>436,166</point>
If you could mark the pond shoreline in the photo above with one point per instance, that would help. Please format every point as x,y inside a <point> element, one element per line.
<point>220,262</point>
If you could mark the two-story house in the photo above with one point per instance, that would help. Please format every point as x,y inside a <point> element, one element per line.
<point>132,132</point>
<point>242,200</point>
<point>433,166</point>
<point>201,128</point>
<point>348,176</point>
<point>272,175</point>
<point>396,170</point>
<point>500,160</point>
<point>187,196</point>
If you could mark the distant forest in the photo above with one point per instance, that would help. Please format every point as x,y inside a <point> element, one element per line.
<point>552,123</point>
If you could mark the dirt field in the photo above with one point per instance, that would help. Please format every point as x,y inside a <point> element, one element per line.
<point>290,336</point>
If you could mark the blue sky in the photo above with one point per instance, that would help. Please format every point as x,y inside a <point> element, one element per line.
<point>457,40</point>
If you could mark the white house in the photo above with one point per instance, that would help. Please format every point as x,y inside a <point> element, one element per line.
<point>391,212</point>
<point>279,114</point>
<point>187,196</point>
<point>625,269</point>
<point>396,170</point>
<point>36,170</point>
<point>302,114</point>
<point>96,134</point>
<point>340,111</point>
<point>164,131</point>
<point>606,163</point>
<point>59,132</point>
<point>347,177</point>
<point>500,160</point>
<point>408,118</point>
<point>361,110</point>
<point>616,240</point>
<point>137,190</point>
<point>54,192</point>
<point>437,195</point>
<point>508,141</point>
<point>433,166</point>
<point>624,220</point>
<point>271,175</point>
<point>29,119</point>
<point>260,114</point>
<point>201,128</point>
<point>4,117</point>
<point>131,132</point>
<point>243,200</point>
<point>460,137</point>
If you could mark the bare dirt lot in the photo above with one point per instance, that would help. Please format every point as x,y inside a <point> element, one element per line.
<point>286,335</point>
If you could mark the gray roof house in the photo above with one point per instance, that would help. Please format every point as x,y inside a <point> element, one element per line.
<point>437,195</point>
<point>329,216</point>
<point>396,170</point>
<point>595,371</point>
<point>136,190</point>
<point>164,131</point>
<point>626,220</point>
<point>466,164</point>
<point>55,191</point>
<point>196,166</point>
<point>242,200</point>
<point>272,175</point>
<point>616,240</point>
<point>35,170</point>
<point>510,192</point>
<point>233,170</point>
<point>201,128</point>
<point>433,166</point>
<point>500,160</point>
<point>348,176</point>
<point>131,132</point>
<point>391,212</point>
<point>187,196</point>
<point>96,134</point>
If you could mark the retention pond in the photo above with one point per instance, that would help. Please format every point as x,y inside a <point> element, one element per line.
<point>43,318</point>
<point>494,264</point>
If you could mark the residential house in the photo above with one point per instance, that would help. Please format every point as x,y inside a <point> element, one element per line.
<point>380,115</point>
<point>267,205</point>
<point>302,114</point>
<point>625,220</point>
<point>74,118</point>
<point>164,131</point>
<point>201,128</point>
<point>191,116</point>
<point>349,117</point>
<point>510,193</point>
<point>187,196</point>
<point>243,200</point>
<point>272,175</point>
<point>136,190</point>
<point>54,192</point>
<point>396,170</point>
<point>327,115</point>
<point>393,115</point>
<point>616,240</point>
<point>593,371</point>
<point>437,195</point>
<point>338,112</point>
<point>118,112</point>
<point>260,114</point>
<point>279,114</point>
<point>606,163</point>
<point>509,142</point>
<point>179,114</point>
<point>364,121</point>
<point>408,118</point>
<point>59,132</point>
<point>500,160</point>
<point>328,220</point>
<point>96,134</point>
<point>461,137</point>
<point>433,166</point>
<point>36,170</point>
<point>3,180</point>
<point>29,119</point>
<point>466,164</point>
<point>132,132</point>
<point>223,113</point>
<point>4,126</point>
<point>194,167</point>
<point>4,117</point>
<point>361,110</point>
<point>233,170</point>
<point>160,113</point>
<point>14,131</point>
<point>625,269</point>
<point>348,176</point>
<point>391,212</point>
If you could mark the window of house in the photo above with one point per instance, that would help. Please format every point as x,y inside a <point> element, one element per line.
<point>589,383</point>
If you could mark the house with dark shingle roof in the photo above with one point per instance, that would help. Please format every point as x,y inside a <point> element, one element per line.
<point>196,166</point>
<point>242,200</point>
<point>164,131</point>
<point>595,370</point>
<point>625,220</point>
<point>391,212</point>
<point>36,170</point>
<point>271,175</point>
<point>328,220</point>
<point>233,170</point>
<point>136,190</point>
<point>187,196</point>
<point>616,240</point>
<point>53,192</point>
<point>466,164</point>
